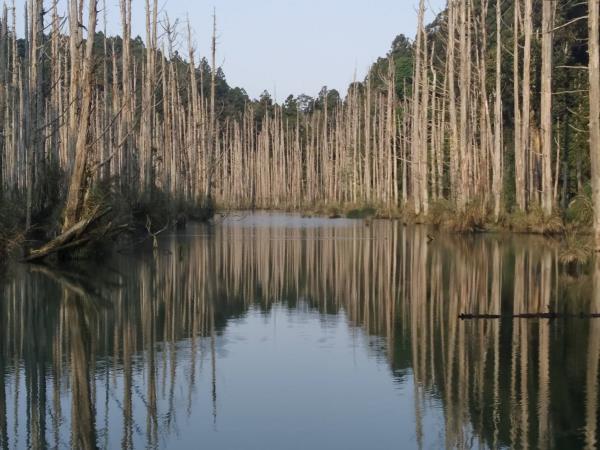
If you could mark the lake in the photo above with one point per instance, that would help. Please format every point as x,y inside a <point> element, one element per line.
<point>272,331</point>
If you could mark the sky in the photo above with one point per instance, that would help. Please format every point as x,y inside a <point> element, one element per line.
<point>284,46</point>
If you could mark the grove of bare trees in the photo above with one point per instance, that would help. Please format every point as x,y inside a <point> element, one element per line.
<point>491,119</point>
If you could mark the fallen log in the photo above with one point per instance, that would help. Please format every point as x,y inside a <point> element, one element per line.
<point>548,316</point>
<point>69,240</point>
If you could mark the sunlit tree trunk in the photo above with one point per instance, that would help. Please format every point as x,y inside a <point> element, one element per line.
<point>497,166</point>
<point>526,114</point>
<point>518,141</point>
<point>454,149</point>
<point>464,141</point>
<point>594,76</point>
<point>78,184</point>
<point>546,113</point>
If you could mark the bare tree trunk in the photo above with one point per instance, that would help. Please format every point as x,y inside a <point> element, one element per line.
<point>546,121</point>
<point>34,150</point>
<point>424,163</point>
<point>127,114</point>
<point>497,169</point>
<point>146,126</point>
<point>212,157</point>
<point>464,142</point>
<point>526,111</point>
<point>78,184</point>
<point>594,75</point>
<point>454,136</point>
<point>518,141</point>
<point>417,113</point>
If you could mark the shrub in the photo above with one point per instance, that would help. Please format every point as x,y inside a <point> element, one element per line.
<point>361,213</point>
<point>581,211</point>
<point>441,211</point>
<point>536,221</point>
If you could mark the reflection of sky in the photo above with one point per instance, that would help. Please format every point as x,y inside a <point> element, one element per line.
<point>290,379</point>
<point>295,380</point>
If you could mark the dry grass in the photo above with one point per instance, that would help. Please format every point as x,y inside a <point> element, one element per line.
<point>576,249</point>
<point>534,221</point>
<point>444,214</point>
<point>350,211</point>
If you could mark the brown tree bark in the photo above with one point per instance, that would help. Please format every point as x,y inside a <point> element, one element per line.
<point>546,104</point>
<point>497,166</point>
<point>518,141</point>
<point>78,182</point>
<point>526,114</point>
<point>594,77</point>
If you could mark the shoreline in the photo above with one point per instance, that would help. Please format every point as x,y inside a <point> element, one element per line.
<point>532,223</point>
<point>577,239</point>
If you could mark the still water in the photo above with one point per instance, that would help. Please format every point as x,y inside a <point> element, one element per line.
<point>278,332</point>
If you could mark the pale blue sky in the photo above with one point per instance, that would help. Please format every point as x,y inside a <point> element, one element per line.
<point>287,46</point>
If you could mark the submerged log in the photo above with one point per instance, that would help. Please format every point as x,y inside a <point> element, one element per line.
<point>549,315</point>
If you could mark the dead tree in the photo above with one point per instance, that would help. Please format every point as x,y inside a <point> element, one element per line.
<point>78,183</point>
<point>594,77</point>
<point>546,102</point>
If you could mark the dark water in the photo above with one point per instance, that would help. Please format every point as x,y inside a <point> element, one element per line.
<point>275,332</point>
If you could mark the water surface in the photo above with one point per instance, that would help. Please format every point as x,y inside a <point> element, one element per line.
<point>279,332</point>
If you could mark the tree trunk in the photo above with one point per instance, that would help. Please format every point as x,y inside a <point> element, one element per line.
<point>518,142</point>
<point>454,136</point>
<point>464,143</point>
<point>526,111</point>
<point>546,113</point>
<point>497,169</point>
<point>78,184</point>
<point>594,75</point>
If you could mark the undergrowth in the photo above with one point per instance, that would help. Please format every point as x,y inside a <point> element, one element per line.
<point>128,212</point>
<point>12,219</point>
<point>534,221</point>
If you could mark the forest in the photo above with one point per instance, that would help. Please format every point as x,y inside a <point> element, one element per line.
<point>489,118</point>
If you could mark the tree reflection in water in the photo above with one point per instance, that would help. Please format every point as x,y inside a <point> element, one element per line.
<point>77,348</point>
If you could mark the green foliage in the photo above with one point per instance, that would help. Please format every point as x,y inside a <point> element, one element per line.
<point>534,221</point>
<point>362,213</point>
<point>401,53</point>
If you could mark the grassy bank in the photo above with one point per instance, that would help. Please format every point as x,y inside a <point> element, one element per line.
<point>576,219</point>
<point>570,231</point>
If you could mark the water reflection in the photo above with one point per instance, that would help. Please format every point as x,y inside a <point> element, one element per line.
<point>127,354</point>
